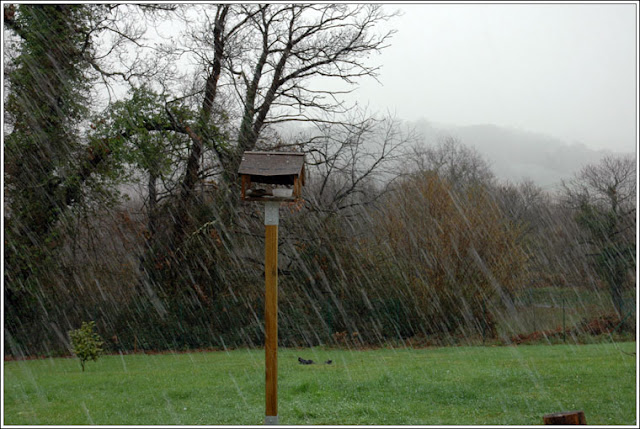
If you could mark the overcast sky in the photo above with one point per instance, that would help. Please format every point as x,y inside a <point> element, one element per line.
<point>566,70</point>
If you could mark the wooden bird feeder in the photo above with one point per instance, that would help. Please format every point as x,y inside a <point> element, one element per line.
<point>272,176</point>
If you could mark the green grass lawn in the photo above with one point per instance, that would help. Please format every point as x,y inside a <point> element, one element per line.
<point>453,385</point>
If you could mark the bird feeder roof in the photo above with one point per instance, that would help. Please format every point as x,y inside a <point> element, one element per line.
<point>272,163</point>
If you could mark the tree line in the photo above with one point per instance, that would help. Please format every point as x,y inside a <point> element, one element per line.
<point>121,198</point>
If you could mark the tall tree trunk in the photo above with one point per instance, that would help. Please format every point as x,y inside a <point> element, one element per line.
<point>153,203</point>
<point>190,178</point>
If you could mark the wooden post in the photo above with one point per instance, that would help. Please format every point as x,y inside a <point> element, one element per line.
<point>245,185</point>
<point>271,312</point>
<point>565,418</point>
<point>484,319</point>
<point>564,322</point>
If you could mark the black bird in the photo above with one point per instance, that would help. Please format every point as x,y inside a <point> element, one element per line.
<point>329,362</point>
<point>305,361</point>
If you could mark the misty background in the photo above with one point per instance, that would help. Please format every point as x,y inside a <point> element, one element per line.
<point>539,90</point>
<point>562,70</point>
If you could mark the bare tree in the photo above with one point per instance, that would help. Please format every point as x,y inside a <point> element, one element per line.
<point>117,46</point>
<point>603,197</point>
<point>258,62</point>
<point>265,56</point>
<point>355,162</point>
<point>610,184</point>
<point>524,203</point>
<point>453,161</point>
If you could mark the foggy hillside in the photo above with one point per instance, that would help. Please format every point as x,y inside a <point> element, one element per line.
<point>515,154</point>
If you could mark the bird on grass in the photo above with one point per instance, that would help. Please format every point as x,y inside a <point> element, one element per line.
<point>309,361</point>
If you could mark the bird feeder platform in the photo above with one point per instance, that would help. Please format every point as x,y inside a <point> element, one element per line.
<point>272,176</point>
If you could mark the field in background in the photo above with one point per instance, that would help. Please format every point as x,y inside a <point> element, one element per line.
<point>555,308</point>
<point>434,386</point>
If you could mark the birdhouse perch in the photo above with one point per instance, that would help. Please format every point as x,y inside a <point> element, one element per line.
<point>272,176</point>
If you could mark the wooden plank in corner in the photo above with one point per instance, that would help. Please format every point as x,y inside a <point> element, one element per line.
<point>565,418</point>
